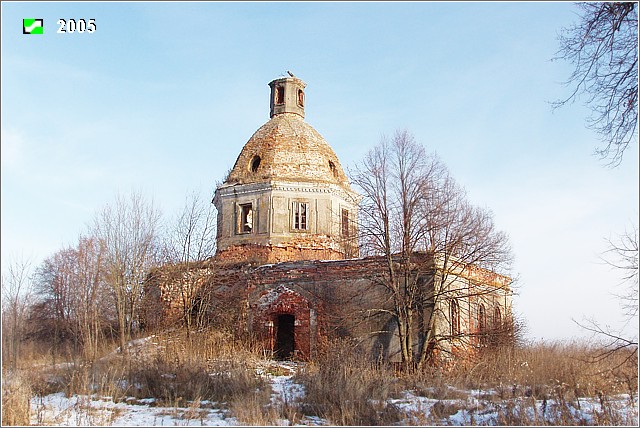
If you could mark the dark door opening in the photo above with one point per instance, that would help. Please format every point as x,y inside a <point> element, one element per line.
<point>285,337</point>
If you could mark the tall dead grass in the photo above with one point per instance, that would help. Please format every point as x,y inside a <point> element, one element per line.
<point>542,368</point>
<point>208,365</point>
<point>541,384</point>
<point>346,388</point>
<point>16,396</point>
<point>172,368</point>
<point>342,386</point>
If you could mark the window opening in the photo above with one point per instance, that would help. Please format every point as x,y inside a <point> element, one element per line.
<point>246,218</point>
<point>300,98</point>
<point>482,319</point>
<point>255,163</point>
<point>482,324</point>
<point>497,317</point>
<point>332,167</point>
<point>280,95</point>
<point>455,318</point>
<point>345,223</point>
<point>300,210</point>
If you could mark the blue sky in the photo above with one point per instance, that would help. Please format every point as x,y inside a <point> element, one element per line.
<point>163,96</point>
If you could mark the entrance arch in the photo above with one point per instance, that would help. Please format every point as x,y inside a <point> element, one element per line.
<point>285,322</point>
<point>285,336</point>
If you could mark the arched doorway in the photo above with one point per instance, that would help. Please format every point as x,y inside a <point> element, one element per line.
<point>285,336</point>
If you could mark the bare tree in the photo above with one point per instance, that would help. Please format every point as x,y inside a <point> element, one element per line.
<point>128,232</point>
<point>622,256</point>
<point>192,240</point>
<point>603,48</point>
<point>416,217</point>
<point>92,310</point>
<point>16,300</point>
<point>73,303</point>
<point>52,318</point>
<point>391,178</point>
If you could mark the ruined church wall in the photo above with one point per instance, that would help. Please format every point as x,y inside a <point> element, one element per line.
<point>328,299</point>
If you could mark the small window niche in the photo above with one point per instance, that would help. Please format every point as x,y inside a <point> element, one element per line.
<point>279,94</point>
<point>345,223</point>
<point>300,210</point>
<point>300,97</point>
<point>332,167</point>
<point>455,318</point>
<point>246,218</point>
<point>497,317</point>
<point>255,163</point>
<point>482,319</point>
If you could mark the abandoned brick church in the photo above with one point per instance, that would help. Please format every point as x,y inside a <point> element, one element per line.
<point>287,268</point>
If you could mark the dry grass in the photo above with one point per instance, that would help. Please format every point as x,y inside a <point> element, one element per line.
<point>179,382</point>
<point>345,388</point>
<point>267,407</point>
<point>342,386</point>
<point>16,396</point>
<point>255,410</point>
<point>539,384</point>
<point>174,369</point>
<point>568,369</point>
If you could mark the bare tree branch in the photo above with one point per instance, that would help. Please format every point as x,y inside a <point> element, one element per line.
<point>603,48</point>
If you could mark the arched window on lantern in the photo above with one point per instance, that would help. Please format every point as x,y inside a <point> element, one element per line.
<point>279,94</point>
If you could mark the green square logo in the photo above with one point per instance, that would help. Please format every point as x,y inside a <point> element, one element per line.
<point>33,26</point>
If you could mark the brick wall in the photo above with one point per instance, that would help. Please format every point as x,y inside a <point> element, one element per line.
<point>327,298</point>
<point>276,254</point>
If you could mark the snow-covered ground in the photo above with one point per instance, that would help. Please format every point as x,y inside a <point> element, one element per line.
<point>56,409</point>
<point>478,408</point>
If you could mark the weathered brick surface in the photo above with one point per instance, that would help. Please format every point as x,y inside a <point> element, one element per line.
<point>290,150</point>
<point>276,254</point>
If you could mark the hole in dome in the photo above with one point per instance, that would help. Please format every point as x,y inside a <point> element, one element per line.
<point>255,163</point>
<point>333,169</point>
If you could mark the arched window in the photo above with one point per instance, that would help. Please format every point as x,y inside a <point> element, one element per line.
<point>255,163</point>
<point>300,98</point>
<point>482,319</point>
<point>454,313</point>
<point>497,318</point>
<point>279,94</point>
<point>345,223</point>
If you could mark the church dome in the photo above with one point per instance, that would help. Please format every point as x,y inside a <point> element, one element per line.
<point>287,196</point>
<point>287,149</point>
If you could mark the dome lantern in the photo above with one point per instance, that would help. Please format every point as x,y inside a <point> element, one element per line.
<point>287,96</point>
